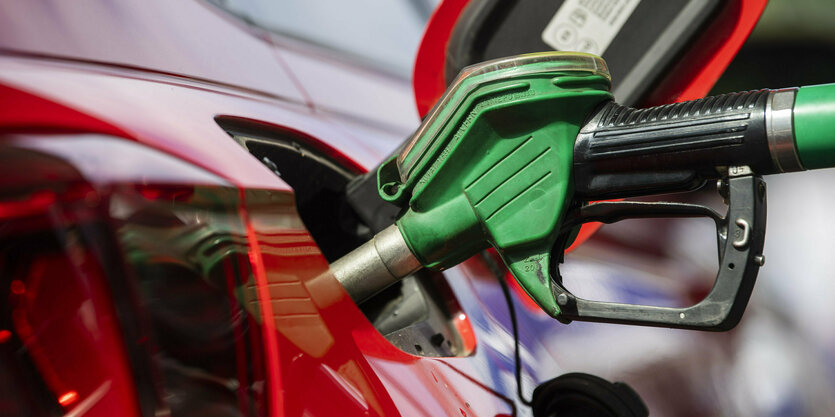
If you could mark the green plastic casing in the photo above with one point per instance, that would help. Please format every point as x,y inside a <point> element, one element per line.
<point>492,164</point>
<point>814,126</point>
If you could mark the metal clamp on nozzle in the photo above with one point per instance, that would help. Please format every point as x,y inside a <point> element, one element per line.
<point>375,265</point>
<point>780,131</point>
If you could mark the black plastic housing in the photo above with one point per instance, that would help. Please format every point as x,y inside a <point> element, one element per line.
<point>622,151</point>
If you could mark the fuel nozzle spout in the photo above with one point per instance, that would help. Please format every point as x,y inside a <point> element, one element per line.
<point>375,265</point>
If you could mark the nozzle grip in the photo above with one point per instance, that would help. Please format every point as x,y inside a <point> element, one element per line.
<point>623,151</point>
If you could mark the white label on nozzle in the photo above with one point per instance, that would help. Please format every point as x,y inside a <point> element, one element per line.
<point>587,25</point>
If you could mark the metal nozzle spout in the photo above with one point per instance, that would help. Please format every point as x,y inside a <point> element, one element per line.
<point>375,265</point>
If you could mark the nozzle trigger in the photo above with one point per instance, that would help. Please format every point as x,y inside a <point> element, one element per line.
<point>740,234</point>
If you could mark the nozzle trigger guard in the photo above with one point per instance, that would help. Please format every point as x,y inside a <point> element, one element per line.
<point>741,235</point>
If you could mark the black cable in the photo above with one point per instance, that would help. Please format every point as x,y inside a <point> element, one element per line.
<point>499,273</point>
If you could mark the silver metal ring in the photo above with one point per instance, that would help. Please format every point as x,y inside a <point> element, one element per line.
<point>375,265</point>
<point>780,130</point>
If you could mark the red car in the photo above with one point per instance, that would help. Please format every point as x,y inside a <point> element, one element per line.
<point>174,185</point>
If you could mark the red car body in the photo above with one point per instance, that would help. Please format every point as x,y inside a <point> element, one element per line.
<point>115,144</point>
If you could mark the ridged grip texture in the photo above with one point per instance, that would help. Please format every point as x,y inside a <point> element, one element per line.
<point>623,151</point>
<point>713,105</point>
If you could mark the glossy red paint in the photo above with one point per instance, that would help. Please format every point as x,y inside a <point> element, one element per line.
<point>90,68</point>
<point>274,381</point>
<point>20,110</point>
<point>315,334</point>
<point>428,76</point>
<point>329,346</point>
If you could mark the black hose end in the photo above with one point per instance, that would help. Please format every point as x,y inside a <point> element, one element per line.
<point>584,395</point>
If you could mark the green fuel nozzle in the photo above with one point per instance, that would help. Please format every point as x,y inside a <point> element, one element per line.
<point>491,164</point>
<point>518,150</point>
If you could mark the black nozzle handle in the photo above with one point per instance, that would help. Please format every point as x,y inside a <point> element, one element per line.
<point>622,151</point>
